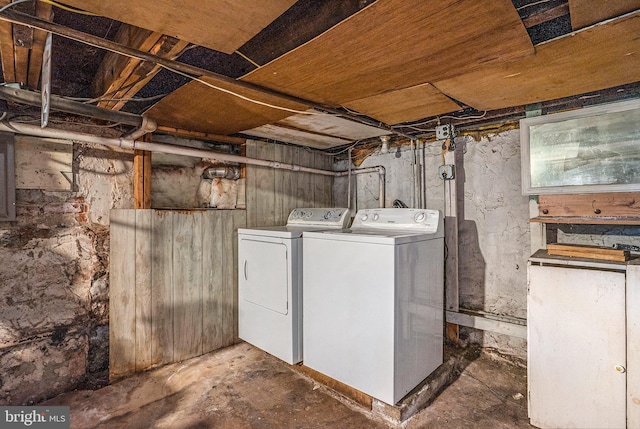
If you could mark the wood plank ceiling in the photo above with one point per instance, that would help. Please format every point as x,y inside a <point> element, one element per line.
<point>595,58</point>
<point>388,52</point>
<point>222,25</point>
<point>393,61</point>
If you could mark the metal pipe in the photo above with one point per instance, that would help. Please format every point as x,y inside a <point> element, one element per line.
<point>16,17</point>
<point>413,173</point>
<point>381,177</point>
<point>424,174</point>
<point>14,127</point>
<point>62,104</point>
<point>349,179</point>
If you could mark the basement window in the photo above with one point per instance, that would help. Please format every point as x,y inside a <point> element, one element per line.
<point>7,178</point>
<point>595,149</point>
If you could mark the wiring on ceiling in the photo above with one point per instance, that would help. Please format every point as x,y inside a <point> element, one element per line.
<point>210,85</point>
<point>415,126</point>
<point>17,2</point>
<point>243,97</point>
<point>51,2</point>
<point>248,59</point>
<point>342,150</point>
<point>68,9</point>
<point>533,4</point>
<point>86,100</point>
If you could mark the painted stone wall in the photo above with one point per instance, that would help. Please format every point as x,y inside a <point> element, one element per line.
<point>494,234</point>
<point>54,281</point>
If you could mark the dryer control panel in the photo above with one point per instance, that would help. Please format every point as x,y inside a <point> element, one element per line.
<point>322,217</point>
<point>419,220</point>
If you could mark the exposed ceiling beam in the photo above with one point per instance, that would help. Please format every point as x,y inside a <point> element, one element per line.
<point>21,47</point>
<point>25,19</point>
<point>120,77</point>
<point>61,104</point>
<point>546,15</point>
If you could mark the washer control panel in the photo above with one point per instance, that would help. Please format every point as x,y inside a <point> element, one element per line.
<point>423,220</point>
<point>322,217</point>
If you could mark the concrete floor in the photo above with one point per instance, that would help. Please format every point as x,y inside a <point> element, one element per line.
<point>243,387</point>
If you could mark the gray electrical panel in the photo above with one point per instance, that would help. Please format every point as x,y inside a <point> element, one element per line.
<point>7,178</point>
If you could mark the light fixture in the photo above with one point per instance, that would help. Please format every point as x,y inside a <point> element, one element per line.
<point>385,144</point>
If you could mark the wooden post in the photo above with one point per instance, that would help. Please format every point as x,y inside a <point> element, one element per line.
<point>142,178</point>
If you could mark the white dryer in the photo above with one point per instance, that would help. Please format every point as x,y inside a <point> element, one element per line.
<point>270,280</point>
<point>373,301</point>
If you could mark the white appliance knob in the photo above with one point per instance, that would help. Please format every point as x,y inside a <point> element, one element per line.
<point>364,217</point>
<point>419,217</point>
<point>376,217</point>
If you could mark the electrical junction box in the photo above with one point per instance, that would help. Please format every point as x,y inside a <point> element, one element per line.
<point>446,171</point>
<point>444,132</point>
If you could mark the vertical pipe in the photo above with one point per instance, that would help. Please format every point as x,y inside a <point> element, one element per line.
<point>424,175</point>
<point>381,188</point>
<point>349,181</point>
<point>413,174</point>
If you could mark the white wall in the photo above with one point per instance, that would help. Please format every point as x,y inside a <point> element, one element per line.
<point>494,235</point>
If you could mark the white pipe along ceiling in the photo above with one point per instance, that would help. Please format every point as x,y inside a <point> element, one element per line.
<point>128,143</point>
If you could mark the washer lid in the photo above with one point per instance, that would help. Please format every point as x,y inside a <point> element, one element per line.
<point>373,236</point>
<point>279,231</point>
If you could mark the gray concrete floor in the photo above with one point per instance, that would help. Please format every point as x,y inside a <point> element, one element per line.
<point>243,387</point>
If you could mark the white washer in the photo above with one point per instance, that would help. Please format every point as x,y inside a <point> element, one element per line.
<point>373,301</point>
<point>270,280</point>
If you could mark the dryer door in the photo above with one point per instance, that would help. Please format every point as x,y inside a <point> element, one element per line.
<point>264,277</point>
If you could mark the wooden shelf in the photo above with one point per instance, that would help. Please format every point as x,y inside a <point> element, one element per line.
<point>587,220</point>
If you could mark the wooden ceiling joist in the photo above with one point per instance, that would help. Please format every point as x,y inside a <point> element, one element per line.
<point>21,47</point>
<point>120,77</point>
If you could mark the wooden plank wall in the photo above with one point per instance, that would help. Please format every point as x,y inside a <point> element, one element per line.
<point>174,276</point>
<point>173,285</point>
<point>272,193</point>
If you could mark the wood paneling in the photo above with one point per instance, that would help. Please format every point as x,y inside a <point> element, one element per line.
<point>272,195</point>
<point>217,24</point>
<point>394,44</point>
<point>174,274</point>
<point>162,280</point>
<point>143,306</point>
<point>587,12</point>
<point>599,57</point>
<point>405,105</point>
<point>173,285</point>
<point>122,304</point>
<point>197,107</point>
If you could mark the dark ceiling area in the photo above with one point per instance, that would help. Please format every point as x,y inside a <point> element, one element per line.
<point>312,42</point>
